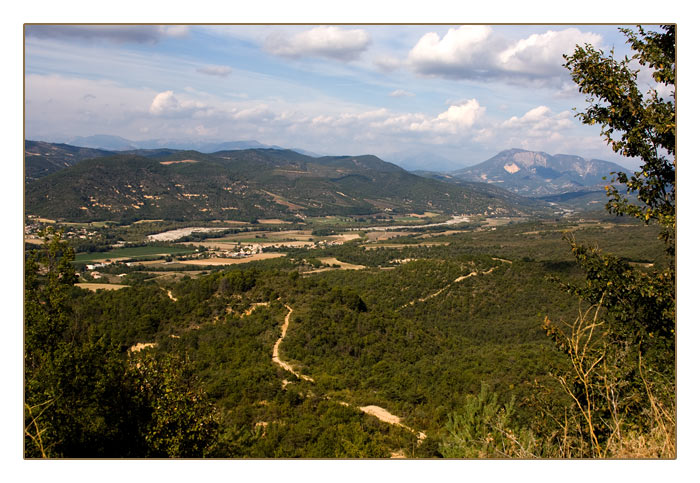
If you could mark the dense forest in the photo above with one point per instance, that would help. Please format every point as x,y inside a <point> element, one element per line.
<point>418,338</point>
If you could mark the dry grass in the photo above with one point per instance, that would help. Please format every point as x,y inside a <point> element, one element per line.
<point>232,261</point>
<point>343,265</point>
<point>179,162</point>
<point>100,286</point>
<point>274,221</point>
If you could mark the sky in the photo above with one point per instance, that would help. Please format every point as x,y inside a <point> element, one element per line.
<point>425,96</point>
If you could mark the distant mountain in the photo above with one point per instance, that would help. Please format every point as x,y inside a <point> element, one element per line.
<point>412,160</point>
<point>116,143</point>
<point>538,174</point>
<point>103,141</point>
<point>42,159</point>
<point>251,184</point>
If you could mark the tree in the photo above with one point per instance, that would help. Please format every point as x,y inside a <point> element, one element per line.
<point>82,397</point>
<point>484,428</point>
<point>636,125</point>
<point>622,347</point>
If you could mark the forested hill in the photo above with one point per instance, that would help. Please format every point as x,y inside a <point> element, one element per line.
<point>250,184</point>
<point>42,159</point>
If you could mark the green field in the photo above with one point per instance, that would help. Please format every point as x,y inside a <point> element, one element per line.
<point>133,252</point>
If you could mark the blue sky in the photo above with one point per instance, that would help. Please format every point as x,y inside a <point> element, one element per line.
<point>425,96</point>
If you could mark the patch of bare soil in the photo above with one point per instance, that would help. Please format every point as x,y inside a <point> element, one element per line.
<point>231,261</point>
<point>172,235</point>
<point>141,346</point>
<point>274,221</point>
<point>179,162</point>
<point>100,286</point>
<point>386,235</point>
<point>255,306</point>
<point>381,414</point>
<point>343,265</point>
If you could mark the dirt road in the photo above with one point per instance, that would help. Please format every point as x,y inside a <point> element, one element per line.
<point>276,349</point>
<point>376,411</point>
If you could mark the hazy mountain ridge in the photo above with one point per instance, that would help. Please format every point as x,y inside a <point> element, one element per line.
<point>117,143</point>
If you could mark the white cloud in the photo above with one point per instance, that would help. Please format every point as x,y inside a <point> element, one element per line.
<point>478,52</point>
<point>167,105</point>
<point>457,119</point>
<point>540,118</point>
<point>539,129</point>
<point>461,53</point>
<point>401,93</point>
<point>331,42</point>
<point>541,54</point>
<point>163,103</point>
<point>254,114</point>
<point>215,70</point>
<point>464,114</point>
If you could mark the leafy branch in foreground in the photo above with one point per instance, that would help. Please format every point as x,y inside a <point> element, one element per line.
<point>621,349</point>
<point>634,124</point>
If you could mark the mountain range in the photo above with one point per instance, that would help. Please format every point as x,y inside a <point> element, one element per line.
<point>246,185</point>
<point>83,183</point>
<point>117,143</point>
<point>538,174</point>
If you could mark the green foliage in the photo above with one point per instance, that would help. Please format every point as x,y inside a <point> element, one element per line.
<point>484,428</point>
<point>635,125</point>
<point>208,388</point>
<point>640,305</point>
<point>621,349</point>
<point>182,422</point>
<point>82,398</point>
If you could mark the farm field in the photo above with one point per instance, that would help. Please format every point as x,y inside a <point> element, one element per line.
<point>100,286</point>
<point>132,252</point>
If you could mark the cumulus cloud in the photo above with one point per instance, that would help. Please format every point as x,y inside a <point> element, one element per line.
<point>540,118</point>
<point>478,52</point>
<point>457,118</point>
<point>541,54</point>
<point>463,52</point>
<point>164,102</point>
<point>144,34</point>
<point>330,42</point>
<point>464,114</point>
<point>167,105</point>
<point>540,128</point>
<point>215,70</point>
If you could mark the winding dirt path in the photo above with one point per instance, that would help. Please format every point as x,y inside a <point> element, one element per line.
<point>276,349</point>
<point>254,306</point>
<point>376,411</point>
<point>384,415</point>
<point>456,280</point>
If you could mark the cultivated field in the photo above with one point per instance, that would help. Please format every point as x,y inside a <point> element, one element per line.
<point>100,286</point>
<point>232,261</point>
